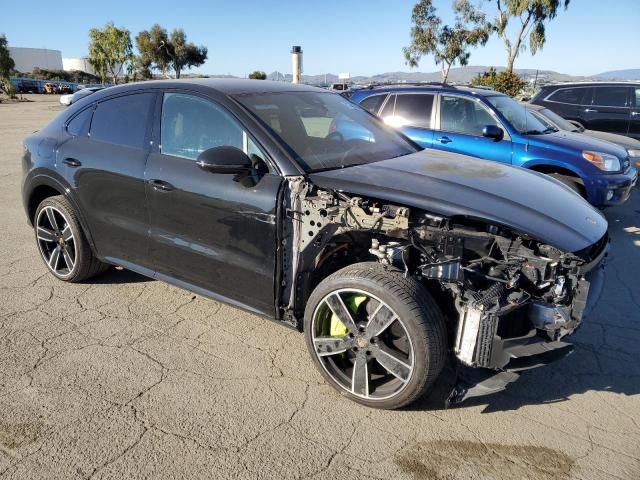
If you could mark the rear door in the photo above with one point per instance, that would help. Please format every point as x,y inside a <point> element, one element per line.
<point>212,231</point>
<point>609,109</point>
<point>414,115</point>
<point>459,129</point>
<point>634,124</point>
<point>105,162</point>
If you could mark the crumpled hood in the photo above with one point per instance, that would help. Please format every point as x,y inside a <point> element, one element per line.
<point>450,184</point>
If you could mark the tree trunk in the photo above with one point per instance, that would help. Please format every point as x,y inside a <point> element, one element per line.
<point>445,71</point>
<point>513,52</point>
<point>510,61</point>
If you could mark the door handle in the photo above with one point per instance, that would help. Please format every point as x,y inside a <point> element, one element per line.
<point>161,185</point>
<point>635,114</point>
<point>589,110</point>
<point>445,139</point>
<point>72,162</point>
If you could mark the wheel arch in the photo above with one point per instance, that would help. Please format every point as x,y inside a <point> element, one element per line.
<point>43,187</point>
<point>547,168</point>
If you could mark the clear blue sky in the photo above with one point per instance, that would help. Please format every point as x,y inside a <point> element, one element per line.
<point>362,37</point>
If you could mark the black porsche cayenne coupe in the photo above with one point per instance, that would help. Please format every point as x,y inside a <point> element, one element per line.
<point>391,260</point>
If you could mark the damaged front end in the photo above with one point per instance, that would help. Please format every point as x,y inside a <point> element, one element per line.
<point>509,299</point>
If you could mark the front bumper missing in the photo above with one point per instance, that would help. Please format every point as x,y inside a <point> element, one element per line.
<point>487,363</point>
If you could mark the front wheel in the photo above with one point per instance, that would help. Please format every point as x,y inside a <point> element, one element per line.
<point>377,337</point>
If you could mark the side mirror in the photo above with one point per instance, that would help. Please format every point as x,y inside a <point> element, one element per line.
<point>493,131</point>
<point>229,160</point>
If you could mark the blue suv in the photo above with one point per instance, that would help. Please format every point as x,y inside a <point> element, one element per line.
<point>489,125</point>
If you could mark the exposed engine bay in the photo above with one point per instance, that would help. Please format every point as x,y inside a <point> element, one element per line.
<point>509,299</point>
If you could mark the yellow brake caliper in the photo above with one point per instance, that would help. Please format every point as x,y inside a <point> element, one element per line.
<point>337,328</point>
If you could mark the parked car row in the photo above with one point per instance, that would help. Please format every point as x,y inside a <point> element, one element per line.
<point>296,204</point>
<point>32,85</point>
<point>486,124</point>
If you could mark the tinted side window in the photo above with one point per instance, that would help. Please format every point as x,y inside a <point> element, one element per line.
<point>462,115</point>
<point>373,103</point>
<point>637,96</point>
<point>414,109</point>
<point>610,96</point>
<point>568,95</point>
<point>192,124</point>
<point>79,125</point>
<point>122,120</point>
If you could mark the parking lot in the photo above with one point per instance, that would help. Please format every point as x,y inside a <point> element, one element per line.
<point>126,377</point>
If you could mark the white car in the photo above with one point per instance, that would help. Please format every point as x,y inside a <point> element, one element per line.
<point>70,98</point>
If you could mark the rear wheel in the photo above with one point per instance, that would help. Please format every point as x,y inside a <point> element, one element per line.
<point>376,336</point>
<point>61,242</point>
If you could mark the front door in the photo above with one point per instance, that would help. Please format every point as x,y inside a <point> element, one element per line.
<point>215,232</point>
<point>462,120</point>
<point>104,160</point>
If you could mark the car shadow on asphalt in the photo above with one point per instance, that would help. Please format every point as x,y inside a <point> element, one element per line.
<point>115,276</point>
<point>600,370</point>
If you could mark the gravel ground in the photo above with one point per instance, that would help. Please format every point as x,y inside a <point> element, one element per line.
<point>126,377</point>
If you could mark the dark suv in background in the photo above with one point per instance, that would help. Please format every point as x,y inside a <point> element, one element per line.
<point>608,107</point>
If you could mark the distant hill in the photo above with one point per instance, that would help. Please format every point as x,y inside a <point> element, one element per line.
<point>630,74</point>
<point>456,75</point>
<point>462,75</point>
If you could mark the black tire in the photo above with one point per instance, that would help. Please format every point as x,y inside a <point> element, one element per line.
<point>84,264</point>
<point>572,182</point>
<point>417,314</point>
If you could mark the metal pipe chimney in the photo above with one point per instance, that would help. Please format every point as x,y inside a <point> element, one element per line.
<point>296,63</point>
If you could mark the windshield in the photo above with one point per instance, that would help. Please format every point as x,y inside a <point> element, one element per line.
<point>518,116</point>
<point>324,131</point>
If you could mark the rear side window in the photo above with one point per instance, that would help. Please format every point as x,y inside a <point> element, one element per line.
<point>373,103</point>
<point>572,96</point>
<point>610,96</point>
<point>79,125</point>
<point>122,120</point>
<point>414,109</point>
<point>191,125</point>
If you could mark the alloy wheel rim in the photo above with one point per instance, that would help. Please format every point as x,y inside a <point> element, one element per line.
<point>371,356</point>
<point>56,241</point>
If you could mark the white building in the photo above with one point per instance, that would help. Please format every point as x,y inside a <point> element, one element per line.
<point>26,59</point>
<point>82,64</point>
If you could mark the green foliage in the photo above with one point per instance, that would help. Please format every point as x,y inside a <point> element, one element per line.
<point>530,17</point>
<point>157,49</point>
<point>447,44</point>
<point>6,62</point>
<point>76,76</point>
<point>258,75</point>
<point>6,66</point>
<point>505,82</point>
<point>109,50</point>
